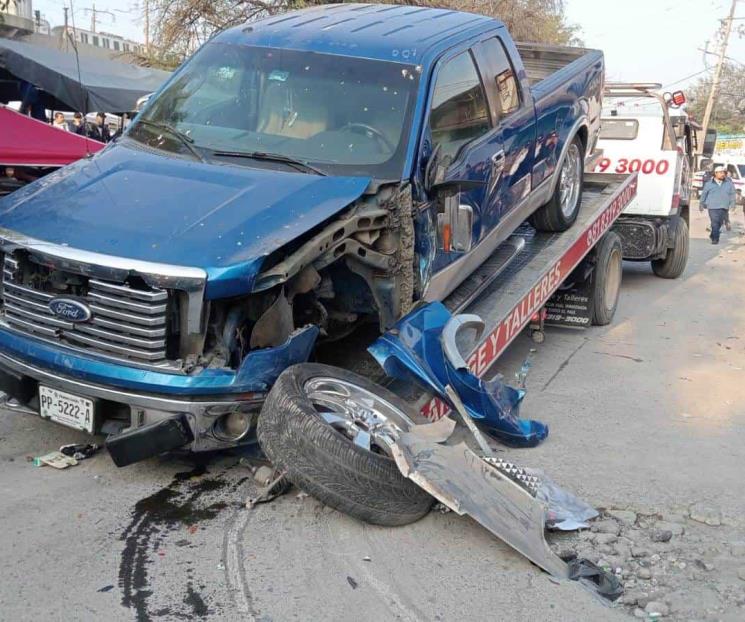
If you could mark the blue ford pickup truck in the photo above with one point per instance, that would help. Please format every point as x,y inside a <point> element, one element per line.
<point>298,177</point>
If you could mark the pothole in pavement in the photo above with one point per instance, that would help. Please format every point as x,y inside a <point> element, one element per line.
<point>160,524</point>
<point>686,564</point>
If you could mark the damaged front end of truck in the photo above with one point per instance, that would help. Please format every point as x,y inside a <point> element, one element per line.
<point>169,357</point>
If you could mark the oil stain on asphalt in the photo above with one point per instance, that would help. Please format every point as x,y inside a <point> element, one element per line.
<point>190,499</point>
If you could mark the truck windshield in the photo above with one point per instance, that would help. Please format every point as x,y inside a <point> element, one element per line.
<point>343,115</point>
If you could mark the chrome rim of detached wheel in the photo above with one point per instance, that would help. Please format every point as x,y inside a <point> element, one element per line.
<point>366,419</point>
<point>570,181</point>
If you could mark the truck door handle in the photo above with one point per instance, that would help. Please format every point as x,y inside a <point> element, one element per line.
<point>498,159</point>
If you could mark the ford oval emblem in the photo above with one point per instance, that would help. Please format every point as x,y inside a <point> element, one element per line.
<point>70,309</point>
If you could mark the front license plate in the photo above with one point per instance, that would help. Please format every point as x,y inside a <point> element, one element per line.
<point>65,408</point>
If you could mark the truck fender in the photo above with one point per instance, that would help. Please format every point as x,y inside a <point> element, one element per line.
<point>580,123</point>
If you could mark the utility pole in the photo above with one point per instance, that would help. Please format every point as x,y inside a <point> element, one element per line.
<point>720,66</point>
<point>147,27</point>
<point>64,32</point>
<point>94,15</point>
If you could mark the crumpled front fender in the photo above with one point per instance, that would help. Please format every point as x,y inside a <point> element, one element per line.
<point>413,350</point>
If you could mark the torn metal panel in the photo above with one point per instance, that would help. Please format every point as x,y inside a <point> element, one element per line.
<point>467,484</point>
<point>330,240</point>
<point>422,347</point>
<point>262,367</point>
<point>275,325</point>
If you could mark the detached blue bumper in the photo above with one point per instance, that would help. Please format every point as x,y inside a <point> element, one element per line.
<point>256,374</point>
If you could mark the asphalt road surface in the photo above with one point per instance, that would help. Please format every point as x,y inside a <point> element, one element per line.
<point>646,414</point>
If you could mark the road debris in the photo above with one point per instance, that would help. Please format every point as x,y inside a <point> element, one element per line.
<point>272,482</point>
<point>55,459</point>
<point>80,451</point>
<point>499,495</point>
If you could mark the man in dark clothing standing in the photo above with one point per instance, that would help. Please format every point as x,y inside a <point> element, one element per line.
<point>78,124</point>
<point>101,130</point>
<point>718,197</point>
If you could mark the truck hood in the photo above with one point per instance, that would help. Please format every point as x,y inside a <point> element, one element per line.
<point>130,203</point>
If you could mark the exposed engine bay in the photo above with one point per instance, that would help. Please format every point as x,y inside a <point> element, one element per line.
<point>357,269</point>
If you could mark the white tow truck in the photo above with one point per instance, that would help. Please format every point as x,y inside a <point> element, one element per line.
<point>644,132</point>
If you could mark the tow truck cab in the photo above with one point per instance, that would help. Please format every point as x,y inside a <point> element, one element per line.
<point>644,131</point>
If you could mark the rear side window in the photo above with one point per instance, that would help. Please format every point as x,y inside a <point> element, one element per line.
<point>499,68</point>
<point>619,129</point>
<point>459,113</point>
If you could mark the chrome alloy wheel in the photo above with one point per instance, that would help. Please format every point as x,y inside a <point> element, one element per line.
<point>571,178</point>
<point>366,419</point>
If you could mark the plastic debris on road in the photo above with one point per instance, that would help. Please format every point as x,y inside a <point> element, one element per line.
<point>55,459</point>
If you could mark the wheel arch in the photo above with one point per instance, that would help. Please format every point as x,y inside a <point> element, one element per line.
<point>581,130</point>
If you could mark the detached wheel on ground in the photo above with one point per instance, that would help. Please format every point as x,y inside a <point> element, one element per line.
<point>561,211</point>
<point>606,278</point>
<point>676,258</point>
<point>331,431</point>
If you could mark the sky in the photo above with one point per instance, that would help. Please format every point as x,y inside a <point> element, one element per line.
<point>654,40</point>
<point>643,40</point>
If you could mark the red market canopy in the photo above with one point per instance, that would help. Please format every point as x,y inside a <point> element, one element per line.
<point>27,142</point>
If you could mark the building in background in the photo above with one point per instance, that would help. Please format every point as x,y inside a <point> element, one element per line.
<point>16,18</point>
<point>103,40</point>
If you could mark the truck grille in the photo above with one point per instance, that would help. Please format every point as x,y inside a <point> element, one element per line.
<point>127,323</point>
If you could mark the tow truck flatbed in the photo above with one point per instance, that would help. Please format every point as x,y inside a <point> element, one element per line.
<point>521,276</point>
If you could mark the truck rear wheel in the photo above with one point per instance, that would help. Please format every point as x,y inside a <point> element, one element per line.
<point>606,278</point>
<point>330,430</point>
<point>676,258</point>
<point>561,211</point>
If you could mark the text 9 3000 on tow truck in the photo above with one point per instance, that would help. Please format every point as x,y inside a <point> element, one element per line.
<point>642,131</point>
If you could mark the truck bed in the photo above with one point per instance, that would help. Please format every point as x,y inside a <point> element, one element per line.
<point>541,61</point>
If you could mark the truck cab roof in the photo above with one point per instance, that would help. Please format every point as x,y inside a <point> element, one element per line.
<point>376,31</point>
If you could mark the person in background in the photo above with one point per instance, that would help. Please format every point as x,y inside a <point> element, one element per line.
<point>78,124</point>
<point>100,129</point>
<point>59,122</point>
<point>31,102</point>
<point>718,196</point>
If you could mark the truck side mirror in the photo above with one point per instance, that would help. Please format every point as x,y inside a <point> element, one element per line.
<point>455,220</point>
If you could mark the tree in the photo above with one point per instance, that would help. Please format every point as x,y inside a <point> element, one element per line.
<point>728,116</point>
<point>181,26</point>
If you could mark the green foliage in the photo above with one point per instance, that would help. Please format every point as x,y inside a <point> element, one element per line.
<point>728,115</point>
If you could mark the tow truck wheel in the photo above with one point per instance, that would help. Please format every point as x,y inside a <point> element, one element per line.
<point>676,258</point>
<point>606,285</point>
<point>331,431</point>
<point>561,211</point>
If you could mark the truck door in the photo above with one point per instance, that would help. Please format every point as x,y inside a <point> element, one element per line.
<point>459,132</point>
<point>513,118</point>
<point>478,143</point>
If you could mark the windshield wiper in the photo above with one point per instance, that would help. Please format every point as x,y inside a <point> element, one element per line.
<point>186,140</point>
<point>300,165</point>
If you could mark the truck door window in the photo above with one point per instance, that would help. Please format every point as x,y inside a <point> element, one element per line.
<point>499,76</point>
<point>459,113</point>
<point>495,63</point>
<point>732,171</point>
